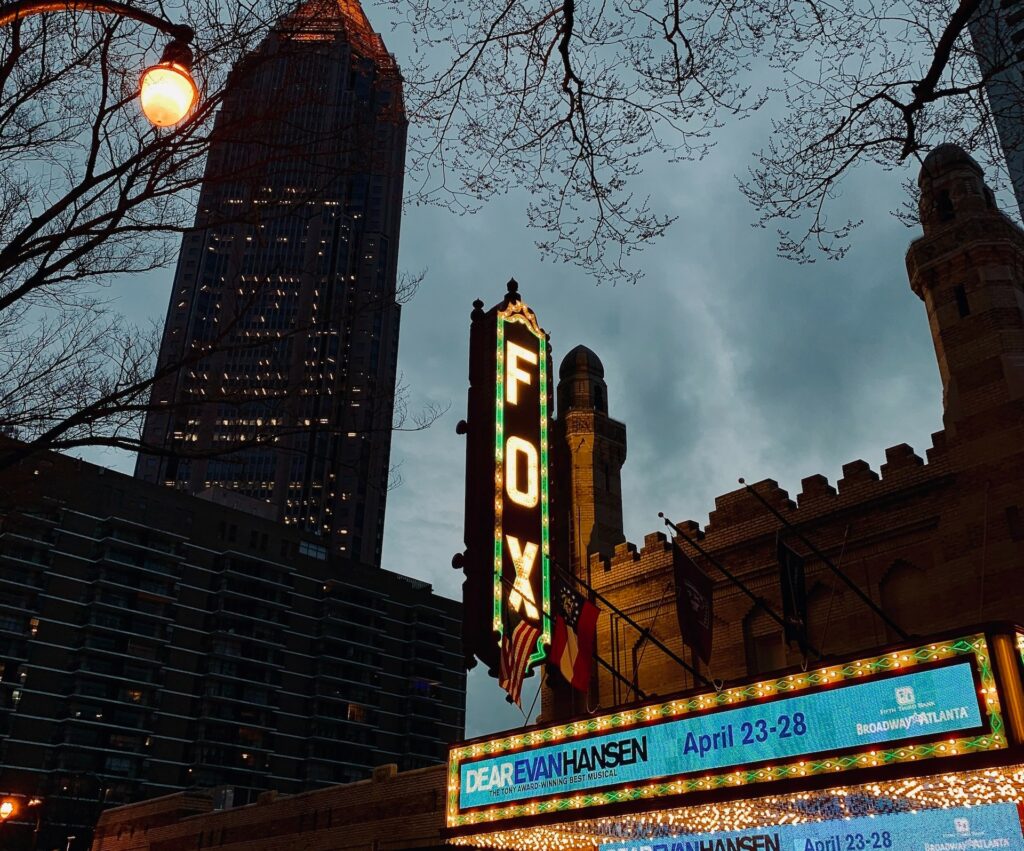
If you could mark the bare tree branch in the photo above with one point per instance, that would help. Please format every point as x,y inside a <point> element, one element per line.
<point>90,191</point>
<point>637,83</point>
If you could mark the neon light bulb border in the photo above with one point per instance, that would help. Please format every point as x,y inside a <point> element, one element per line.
<point>519,313</point>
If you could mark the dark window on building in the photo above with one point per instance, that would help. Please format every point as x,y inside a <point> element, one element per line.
<point>766,653</point>
<point>944,206</point>
<point>1015,523</point>
<point>962,305</point>
<point>765,648</point>
<point>905,598</point>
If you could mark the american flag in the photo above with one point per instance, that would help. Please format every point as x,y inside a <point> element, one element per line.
<point>515,656</point>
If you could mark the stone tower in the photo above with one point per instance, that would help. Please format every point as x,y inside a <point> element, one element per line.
<point>591,449</point>
<point>595,450</point>
<point>968,268</point>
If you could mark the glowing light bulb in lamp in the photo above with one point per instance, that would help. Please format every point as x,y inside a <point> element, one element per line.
<point>167,91</point>
<point>7,809</point>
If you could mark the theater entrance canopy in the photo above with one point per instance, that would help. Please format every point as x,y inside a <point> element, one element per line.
<point>920,745</point>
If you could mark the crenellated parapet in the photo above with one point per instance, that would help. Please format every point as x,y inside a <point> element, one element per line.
<point>913,527</point>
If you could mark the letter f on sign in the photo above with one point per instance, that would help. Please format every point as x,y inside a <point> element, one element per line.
<point>522,591</point>
<point>516,374</point>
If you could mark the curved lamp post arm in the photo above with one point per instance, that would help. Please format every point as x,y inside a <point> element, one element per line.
<point>10,12</point>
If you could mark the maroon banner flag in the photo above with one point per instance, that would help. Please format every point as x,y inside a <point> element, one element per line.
<point>694,603</point>
<point>572,642</point>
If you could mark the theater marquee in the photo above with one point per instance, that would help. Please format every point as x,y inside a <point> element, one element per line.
<point>947,829</point>
<point>928,702</point>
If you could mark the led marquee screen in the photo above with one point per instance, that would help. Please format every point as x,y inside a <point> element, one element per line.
<point>933,701</point>
<point>953,829</point>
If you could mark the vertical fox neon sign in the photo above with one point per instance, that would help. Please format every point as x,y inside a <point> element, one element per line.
<point>522,545</point>
<point>507,560</point>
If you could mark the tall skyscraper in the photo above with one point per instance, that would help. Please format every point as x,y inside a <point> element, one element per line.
<point>283,319</point>
<point>997,32</point>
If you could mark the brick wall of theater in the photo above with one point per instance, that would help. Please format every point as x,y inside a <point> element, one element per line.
<point>935,536</point>
<point>396,811</point>
<point>936,541</point>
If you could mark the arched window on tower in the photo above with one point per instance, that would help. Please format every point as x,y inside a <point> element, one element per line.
<point>944,206</point>
<point>905,598</point>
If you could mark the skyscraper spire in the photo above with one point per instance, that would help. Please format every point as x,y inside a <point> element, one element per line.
<point>319,19</point>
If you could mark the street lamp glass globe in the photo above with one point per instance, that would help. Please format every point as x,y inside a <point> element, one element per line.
<point>6,809</point>
<point>167,93</point>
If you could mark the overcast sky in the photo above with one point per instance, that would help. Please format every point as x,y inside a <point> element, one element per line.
<point>724,361</point>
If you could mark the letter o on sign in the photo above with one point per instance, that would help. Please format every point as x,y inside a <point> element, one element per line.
<point>529,497</point>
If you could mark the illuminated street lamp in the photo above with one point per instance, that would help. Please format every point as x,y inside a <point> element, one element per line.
<point>8,807</point>
<point>167,91</point>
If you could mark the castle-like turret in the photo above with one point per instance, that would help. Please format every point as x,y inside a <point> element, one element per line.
<point>596,451</point>
<point>968,268</point>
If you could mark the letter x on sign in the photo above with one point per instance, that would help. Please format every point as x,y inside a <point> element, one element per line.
<point>522,590</point>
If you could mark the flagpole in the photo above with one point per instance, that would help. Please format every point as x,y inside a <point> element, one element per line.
<point>758,601</point>
<point>646,634</point>
<point>828,562</point>
<point>652,638</point>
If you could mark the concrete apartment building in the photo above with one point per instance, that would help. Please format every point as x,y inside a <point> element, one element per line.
<point>152,641</point>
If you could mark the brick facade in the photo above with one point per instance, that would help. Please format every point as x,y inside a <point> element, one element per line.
<point>389,812</point>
